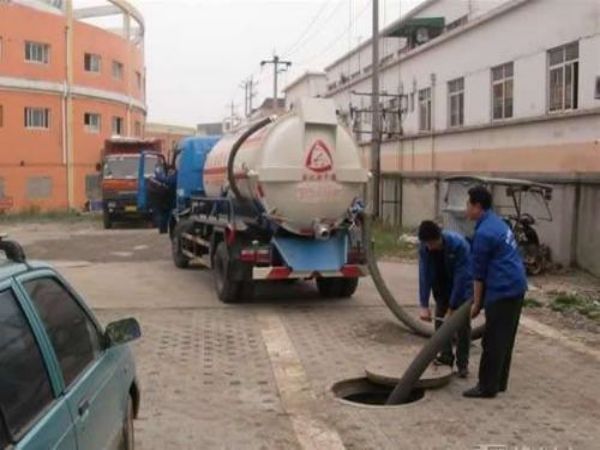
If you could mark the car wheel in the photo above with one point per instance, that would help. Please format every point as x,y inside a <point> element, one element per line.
<point>127,437</point>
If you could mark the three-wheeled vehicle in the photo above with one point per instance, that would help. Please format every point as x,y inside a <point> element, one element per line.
<point>519,202</point>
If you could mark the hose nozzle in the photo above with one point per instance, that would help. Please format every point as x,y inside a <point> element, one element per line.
<point>322,232</point>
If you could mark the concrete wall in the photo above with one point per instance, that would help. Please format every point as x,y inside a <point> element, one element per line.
<point>418,201</point>
<point>573,233</point>
<point>588,231</point>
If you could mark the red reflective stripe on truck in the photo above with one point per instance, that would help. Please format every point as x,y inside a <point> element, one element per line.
<point>222,171</point>
<point>279,273</point>
<point>349,271</point>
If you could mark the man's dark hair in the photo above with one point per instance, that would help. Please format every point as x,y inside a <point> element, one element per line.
<point>429,231</point>
<point>480,195</point>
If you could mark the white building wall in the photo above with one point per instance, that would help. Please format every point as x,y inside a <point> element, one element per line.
<point>513,37</point>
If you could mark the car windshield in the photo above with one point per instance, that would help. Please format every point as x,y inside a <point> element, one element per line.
<point>126,166</point>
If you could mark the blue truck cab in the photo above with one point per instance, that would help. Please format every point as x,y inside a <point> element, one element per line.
<point>65,383</point>
<point>169,192</point>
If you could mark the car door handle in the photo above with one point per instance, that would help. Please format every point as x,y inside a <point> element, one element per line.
<point>83,407</point>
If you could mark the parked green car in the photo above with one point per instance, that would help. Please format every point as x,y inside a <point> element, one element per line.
<point>64,382</point>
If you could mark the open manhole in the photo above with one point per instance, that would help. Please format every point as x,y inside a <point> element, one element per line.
<point>362,391</point>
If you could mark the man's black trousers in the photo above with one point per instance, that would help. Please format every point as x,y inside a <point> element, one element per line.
<point>501,323</point>
<point>463,336</point>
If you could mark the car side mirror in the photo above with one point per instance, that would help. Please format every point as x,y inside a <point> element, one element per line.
<point>98,167</point>
<point>122,332</point>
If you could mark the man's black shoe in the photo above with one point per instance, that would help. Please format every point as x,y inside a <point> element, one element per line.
<point>463,372</point>
<point>476,392</point>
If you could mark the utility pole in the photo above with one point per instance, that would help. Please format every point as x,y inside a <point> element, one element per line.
<point>233,116</point>
<point>249,93</point>
<point>375,124</point>
<point>276,64</point>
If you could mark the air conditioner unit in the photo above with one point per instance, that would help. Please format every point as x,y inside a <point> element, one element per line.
<point>422,35</point>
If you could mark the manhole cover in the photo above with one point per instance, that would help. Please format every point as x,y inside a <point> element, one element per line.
<point>389,373</point>
<point>362,391</point>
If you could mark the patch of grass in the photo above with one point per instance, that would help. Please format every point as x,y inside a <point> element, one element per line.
<point>532,303</point>
<point>35,215</point>
<point>388,242</point>
<point>587,307</point>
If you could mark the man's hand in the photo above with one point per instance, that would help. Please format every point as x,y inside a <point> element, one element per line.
<point>475,309</point>
<point>425,314</point>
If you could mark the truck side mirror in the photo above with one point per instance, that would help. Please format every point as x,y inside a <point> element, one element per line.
<point>122,332</point>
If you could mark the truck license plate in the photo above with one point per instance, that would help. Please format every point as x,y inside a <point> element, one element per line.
<point>130,209</point>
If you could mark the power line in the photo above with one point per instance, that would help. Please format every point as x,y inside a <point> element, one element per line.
<point>305,32</point>
<point>320,29</point>
<point>327,48</point>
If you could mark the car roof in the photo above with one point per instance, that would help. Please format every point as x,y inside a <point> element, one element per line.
<point>10,269</point>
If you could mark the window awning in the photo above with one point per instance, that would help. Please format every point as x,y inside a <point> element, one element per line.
<point>408,27</point>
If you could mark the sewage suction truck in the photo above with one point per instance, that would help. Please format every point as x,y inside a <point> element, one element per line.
<point>275,200</point>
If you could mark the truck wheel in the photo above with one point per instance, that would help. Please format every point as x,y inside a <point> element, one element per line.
<point>348,287</point>
<point>227,289</point>
<point>337,287</point>
<point>106,220</point>
<point>246,291</point>
<point>179,259</point>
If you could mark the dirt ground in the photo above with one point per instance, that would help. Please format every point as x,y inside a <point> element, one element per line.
<point>259,374</point>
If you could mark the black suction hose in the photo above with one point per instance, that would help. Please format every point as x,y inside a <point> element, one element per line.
<point>417,326</point>
<point>238,144</point>
<point>451,325</point>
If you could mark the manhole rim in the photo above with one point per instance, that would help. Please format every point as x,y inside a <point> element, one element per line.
<point>330,391</point>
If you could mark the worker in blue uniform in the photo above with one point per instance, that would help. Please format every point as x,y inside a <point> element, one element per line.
<point>500,284</point>
<point>163,187</point>
<point>445,269</point>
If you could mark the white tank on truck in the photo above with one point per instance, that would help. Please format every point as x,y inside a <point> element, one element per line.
<point>279,199</point>
<point>304,169</point>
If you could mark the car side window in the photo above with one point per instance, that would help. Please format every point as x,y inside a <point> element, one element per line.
<point>24,383</point>
<point>74,336</point>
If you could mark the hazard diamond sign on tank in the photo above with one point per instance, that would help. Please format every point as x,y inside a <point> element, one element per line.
<point>319,158</point>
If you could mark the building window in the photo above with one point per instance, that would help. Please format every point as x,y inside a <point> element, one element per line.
<point>117,126</point>
<point>37,52</point>
<point>92,62</point>
<point>39,188</point>
<point>502,91</point>
<point>92,122</point>
<point>563,66</point>
<point>456,102</point>
<point>117,70</point>
<point>138,128</point>
<point>138,79</point>
<point>425,109</point>
<point>37,118</point>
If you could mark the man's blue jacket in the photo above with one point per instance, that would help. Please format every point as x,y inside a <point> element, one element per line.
<point>497,261</point>
<point>457,260</point>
